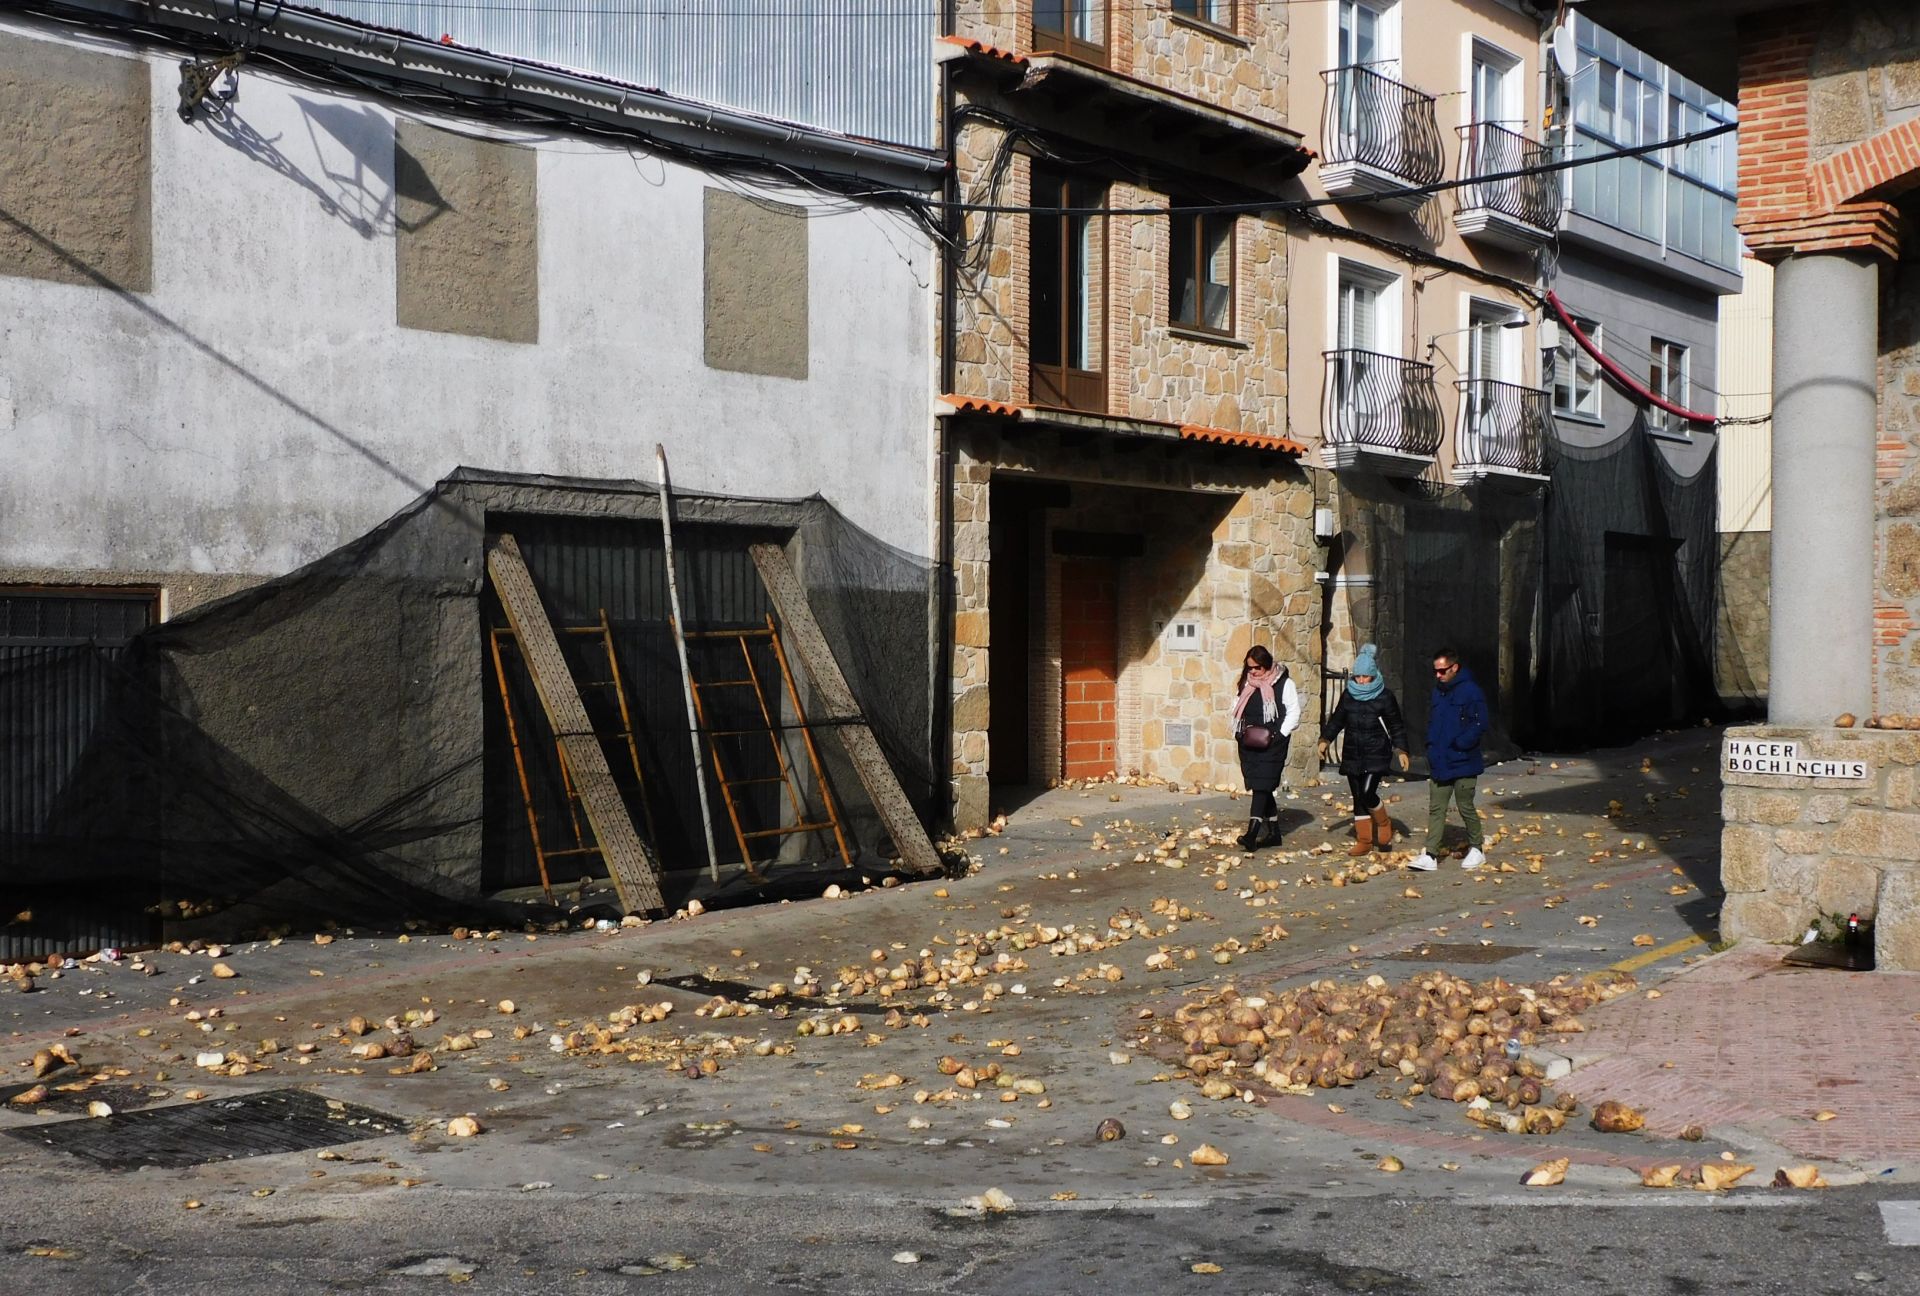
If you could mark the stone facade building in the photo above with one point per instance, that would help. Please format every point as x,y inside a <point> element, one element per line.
<point>1128,513</point>
<point>1829,99</point>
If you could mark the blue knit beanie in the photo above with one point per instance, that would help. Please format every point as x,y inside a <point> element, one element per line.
<point>1365,663</point>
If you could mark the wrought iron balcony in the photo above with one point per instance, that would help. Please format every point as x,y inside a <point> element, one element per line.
<point>1380,412</point>
<point>1378,136</point>
<point>1502,431</point>
<point>1515,211</point>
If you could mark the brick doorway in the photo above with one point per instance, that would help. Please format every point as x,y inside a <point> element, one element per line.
<point>1089,666</point>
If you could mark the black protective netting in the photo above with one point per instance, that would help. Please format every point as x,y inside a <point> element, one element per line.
<point>1585,607</point>
<point>1629,582</point>
<point>331,746</point>
<point>1452,569</point>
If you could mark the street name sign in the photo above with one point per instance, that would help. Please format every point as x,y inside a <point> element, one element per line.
<point>1782,759</point>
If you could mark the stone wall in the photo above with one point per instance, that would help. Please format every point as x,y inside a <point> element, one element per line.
<point>1864,75</point>
<point>1741,636</point>
<point>1242,67</point>
<point>1153,369</point>
<point>1794,848</point>
<point>1897,540</point>
<point>1864,82</point>
<point>1229,543</point>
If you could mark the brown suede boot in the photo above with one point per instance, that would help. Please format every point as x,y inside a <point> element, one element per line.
<point>1382,829</point>
<point>1362,836</point>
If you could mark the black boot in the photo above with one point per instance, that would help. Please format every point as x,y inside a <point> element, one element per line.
<point>1270,836</point>
<point>1250,839</point>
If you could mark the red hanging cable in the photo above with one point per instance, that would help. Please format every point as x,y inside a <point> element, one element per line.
<point>1619,375</point>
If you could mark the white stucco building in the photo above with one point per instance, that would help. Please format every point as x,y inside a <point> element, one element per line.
<point>238,341</point>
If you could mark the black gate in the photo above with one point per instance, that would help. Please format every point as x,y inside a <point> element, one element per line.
<point>58,650</point>
<point>1452,599</point>
<point>1640,662</point>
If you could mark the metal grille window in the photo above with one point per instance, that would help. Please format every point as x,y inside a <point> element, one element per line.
<point>1200,270</point>
<point>1576,375</point>
<point>45,618</point>
<point>1669,376</point>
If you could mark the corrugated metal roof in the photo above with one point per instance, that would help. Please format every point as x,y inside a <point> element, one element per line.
<point>838,65</point>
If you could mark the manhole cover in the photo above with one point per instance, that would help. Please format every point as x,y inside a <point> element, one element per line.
<point>73,1102</point>
<point>219,1129</point>
<point>1440,952</point>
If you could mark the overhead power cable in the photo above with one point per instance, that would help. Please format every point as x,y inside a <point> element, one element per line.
<point>1633,385</point>
<point>535,9</point>
<point>1260,207</point>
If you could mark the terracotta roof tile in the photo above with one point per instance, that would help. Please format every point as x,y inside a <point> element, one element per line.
<point>1251,440</point>
<point>980,405</point>
<point>981,47</point>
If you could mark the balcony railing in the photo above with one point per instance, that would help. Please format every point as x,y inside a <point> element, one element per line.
<point>1380,406</point>
<point>1532,201</point>
<point>1375,121</point>
<point>1503,429</point>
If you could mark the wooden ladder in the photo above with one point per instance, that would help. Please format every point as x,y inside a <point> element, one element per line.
<point>576,806</point>
<point>630,862</point>
<point>743,835</point>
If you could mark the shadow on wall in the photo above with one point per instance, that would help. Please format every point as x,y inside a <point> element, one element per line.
<point>137,303</point>
<point>355,150</point>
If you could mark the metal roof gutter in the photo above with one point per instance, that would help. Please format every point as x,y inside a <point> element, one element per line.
<point>403,56</point>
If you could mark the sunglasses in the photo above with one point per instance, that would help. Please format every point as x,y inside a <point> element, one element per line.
<point>1445,670</point>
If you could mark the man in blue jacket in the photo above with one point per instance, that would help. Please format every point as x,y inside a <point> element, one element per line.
<point>1455,726</point>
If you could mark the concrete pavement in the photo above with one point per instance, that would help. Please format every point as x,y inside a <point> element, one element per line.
<point>1610,859</point>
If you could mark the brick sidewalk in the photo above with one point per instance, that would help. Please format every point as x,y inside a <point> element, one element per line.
<point>1744,1041</point>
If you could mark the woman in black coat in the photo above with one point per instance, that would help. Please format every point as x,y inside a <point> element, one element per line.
<point>1369,715</point>
<point>1265,711</point>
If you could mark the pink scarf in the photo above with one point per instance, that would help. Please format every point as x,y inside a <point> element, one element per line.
<point>1263,680</point>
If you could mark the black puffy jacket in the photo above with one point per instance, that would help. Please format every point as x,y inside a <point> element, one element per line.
<point>1374,730</point>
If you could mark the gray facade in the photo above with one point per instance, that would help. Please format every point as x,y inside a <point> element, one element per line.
<point>1636,302</point>
<point>1630,593</point>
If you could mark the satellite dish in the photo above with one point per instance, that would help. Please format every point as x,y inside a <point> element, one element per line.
<point>1565,54</point>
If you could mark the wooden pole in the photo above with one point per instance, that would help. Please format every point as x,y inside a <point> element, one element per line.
<point>686,671</point>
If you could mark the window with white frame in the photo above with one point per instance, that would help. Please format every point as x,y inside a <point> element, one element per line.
<point>1576,374</point>
<point>1368,36</point>
<point>1366,373</point>
<point>1489,356</point>
<point>1668,374</point>
<point>1368,309</point>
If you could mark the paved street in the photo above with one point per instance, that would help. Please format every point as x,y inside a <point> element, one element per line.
<point>806,1161</point>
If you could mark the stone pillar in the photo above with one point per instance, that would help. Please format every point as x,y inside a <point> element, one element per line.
<point>1826,313</point>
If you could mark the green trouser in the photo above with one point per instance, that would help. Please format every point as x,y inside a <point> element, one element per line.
<point>1459,792</point>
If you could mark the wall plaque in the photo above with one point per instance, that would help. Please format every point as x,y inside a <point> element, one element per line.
<point>1781,758</point>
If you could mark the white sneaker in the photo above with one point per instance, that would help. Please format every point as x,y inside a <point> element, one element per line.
<point>1424,862</point>
<point>1475,858</point>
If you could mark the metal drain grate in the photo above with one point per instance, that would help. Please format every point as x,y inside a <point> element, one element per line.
<point>218,1129</point>
<point>1440,952</point>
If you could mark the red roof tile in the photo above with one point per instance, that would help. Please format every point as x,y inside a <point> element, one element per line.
<point>1251,440</point>
<point>981,47</point>
<point>980,405</point>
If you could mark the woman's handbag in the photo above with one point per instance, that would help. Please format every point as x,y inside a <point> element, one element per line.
<point>1256,737</point>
